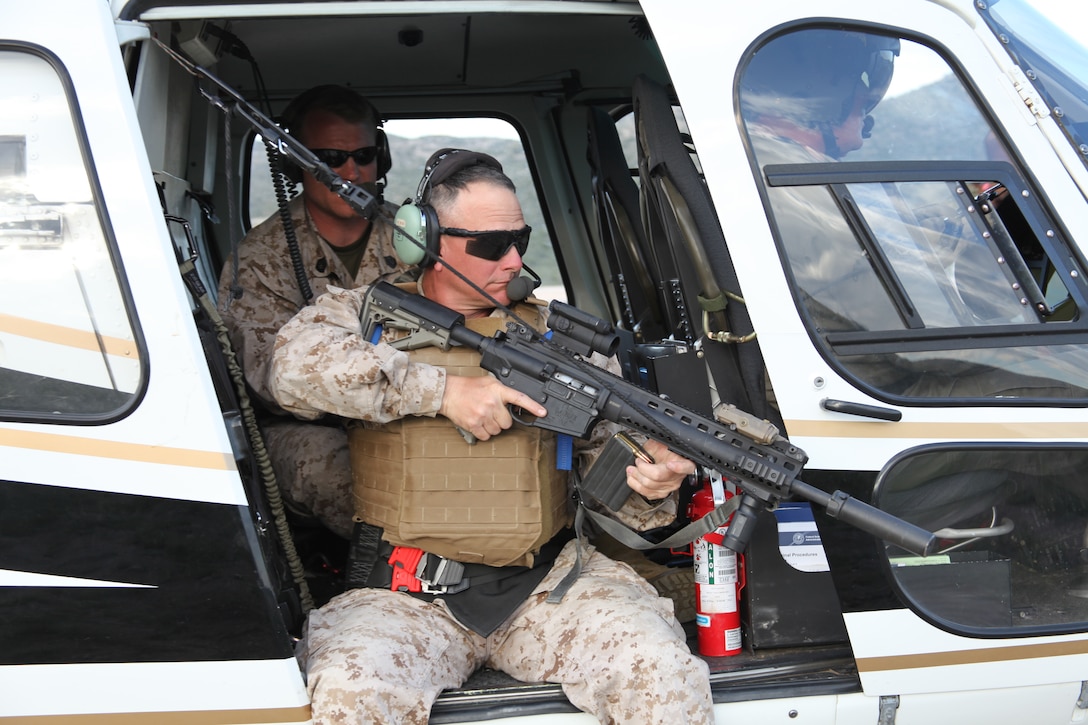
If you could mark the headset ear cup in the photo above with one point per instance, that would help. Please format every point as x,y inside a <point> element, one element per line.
<point>409,233</point>
<point>385,158</point>
<point>415,227</point>
<point>432,232</point>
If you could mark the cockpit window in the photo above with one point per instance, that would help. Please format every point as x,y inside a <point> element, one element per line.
<point>919,255</point>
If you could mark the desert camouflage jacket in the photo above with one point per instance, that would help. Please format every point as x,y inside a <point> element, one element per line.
<point>322,364</point>
<point>270,293</point>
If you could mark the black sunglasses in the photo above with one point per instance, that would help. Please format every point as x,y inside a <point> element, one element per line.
<point>335,158</point>
<point>492,246</point>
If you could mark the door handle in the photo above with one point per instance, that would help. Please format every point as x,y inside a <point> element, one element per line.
<point>861,409</point>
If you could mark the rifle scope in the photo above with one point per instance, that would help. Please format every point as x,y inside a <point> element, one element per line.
<point>580,331</point>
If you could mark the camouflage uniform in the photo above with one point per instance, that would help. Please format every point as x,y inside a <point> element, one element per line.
<point>374,655</point>
<point>310,461</point>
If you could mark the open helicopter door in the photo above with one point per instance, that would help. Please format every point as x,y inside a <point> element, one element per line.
<point>131,578</point>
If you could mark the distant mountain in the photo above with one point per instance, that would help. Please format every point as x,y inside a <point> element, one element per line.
<point>935,121</point>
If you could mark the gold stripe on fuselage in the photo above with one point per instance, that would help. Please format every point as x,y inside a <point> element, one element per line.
<point>951,431</point>
<point>67,336</point>
<point>203,717</point>
<point>971,656</point>
<point>141,452</point>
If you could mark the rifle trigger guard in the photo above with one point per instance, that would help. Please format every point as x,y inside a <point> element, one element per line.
<point>518,413</point>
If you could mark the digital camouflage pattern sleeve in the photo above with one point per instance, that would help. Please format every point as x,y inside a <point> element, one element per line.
<point>264,294</point>
<point>322,364</point>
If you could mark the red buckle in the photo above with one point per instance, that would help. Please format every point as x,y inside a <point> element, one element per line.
<point>404,561</point>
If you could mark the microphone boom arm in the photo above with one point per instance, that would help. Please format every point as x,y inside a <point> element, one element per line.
<point>364,203</point>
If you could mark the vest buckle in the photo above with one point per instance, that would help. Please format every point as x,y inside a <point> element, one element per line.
<point>439,575</point>
<point>405,561</point>
<point>414,570</point>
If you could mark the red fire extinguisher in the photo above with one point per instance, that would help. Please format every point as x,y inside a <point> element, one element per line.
<point>719,578</point>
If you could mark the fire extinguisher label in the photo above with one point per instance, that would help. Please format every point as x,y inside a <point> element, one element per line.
<point>716,577</point>
<point>717,598</point>
<point>732,640</point>
<point>714,564</point>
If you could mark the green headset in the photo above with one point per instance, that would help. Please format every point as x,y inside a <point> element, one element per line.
<point>333,96</point>
<point>416,229</point>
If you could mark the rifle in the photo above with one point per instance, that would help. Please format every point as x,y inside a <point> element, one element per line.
<point>577,395</point>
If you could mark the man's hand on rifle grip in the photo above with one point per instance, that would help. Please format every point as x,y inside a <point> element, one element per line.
<point>479,405</point>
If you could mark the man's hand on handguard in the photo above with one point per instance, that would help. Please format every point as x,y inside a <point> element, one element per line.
<point>657,480</point>
<point>478,405</point>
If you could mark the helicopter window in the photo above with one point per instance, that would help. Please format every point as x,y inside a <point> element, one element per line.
<point>935,254</point>
<point>1012,530</point>
<point>916,251</point>
<point>67,346</point>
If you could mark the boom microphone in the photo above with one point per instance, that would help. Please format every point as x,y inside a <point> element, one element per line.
<point>521,287</point>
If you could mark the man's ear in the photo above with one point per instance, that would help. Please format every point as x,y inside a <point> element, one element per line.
<point>442,244</point>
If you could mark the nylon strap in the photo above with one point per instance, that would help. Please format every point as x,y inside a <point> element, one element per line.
<point>626,536</point>
<point>362,554</point>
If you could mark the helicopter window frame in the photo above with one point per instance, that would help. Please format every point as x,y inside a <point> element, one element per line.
<point>1011,531</point>
<point>927,121</point>
<point>873,354</point>
<point>77,370</point>
<point>840,176</point>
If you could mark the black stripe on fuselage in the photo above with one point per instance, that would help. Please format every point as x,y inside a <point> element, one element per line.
<point>207,596</point>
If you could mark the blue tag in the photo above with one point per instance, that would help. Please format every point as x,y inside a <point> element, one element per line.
<point>564,444</point>
<point>564,451</point>
<point>376,337</point>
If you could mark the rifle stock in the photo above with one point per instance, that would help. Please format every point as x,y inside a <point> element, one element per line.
<point>577,395</point>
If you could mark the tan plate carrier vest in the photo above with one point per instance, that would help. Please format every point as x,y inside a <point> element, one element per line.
<point>494,502</point>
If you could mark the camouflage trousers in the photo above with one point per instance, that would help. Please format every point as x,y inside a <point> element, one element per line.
<point>377,656</point>
<point>313,469</point>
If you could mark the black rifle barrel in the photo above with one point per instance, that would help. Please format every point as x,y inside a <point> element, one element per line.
<point>870,519</point>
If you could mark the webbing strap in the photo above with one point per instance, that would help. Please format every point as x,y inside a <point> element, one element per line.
<point>556,595</point>
<point>630,538</point>
<point>362,554</point>
<point>626,536</point>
